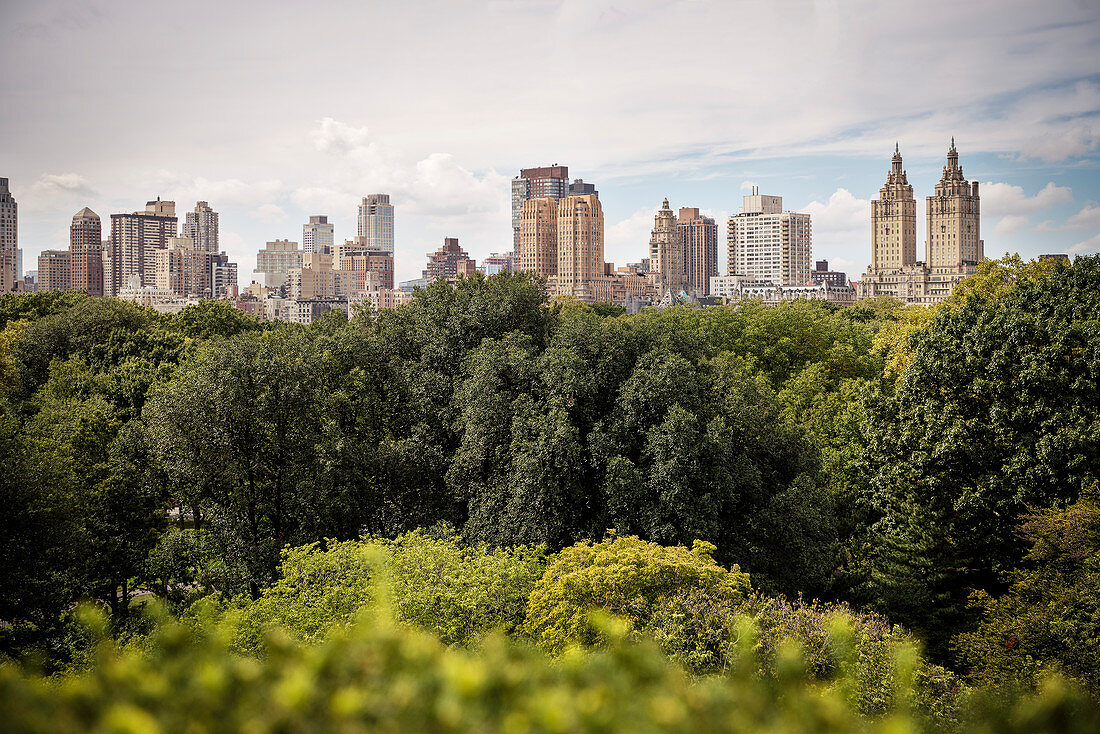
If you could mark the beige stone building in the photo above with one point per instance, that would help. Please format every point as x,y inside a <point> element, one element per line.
<point>538,236</point>
<point>667,266</point>
<point>53,270</point>
<point>953,246</point>
<point>182,269</point>
<point>580,243</point>
<point>9,239</point>
<point>276,260</point>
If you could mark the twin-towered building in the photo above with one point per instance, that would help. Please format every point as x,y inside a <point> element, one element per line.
<point>953,245</point>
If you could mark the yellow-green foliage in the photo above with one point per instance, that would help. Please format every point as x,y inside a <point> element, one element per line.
<point>626,577</point>
<point>893,342</point>
<point>457,592</point>
<point>379,677</point>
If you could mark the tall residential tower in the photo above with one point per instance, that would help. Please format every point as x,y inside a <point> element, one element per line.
<point>86,253</point>
<point>768,244</point>
<point>9,239</point>
<point>317,236</point>
<point>547,182</point>
<point>135,239</point>
<point>376,222</point>
<point>894,221</point>
<point>953,248</point>
<point>201,226</point>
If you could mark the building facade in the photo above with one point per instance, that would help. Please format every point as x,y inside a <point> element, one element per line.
<point>822,274</point>
<point>376,222</point>
<point>497,263</point>
<point>317,236</point>
<point>699,237</point>
<point>580,244</point>
<point>9,239</point>
<point>53,270</point>
<point>538,246</point>
<point>667,262</point>
<point>449,261</point>
<point>135,238</point>
<point>201,227</point>
<point>86,253</point>
<point>373,259</point>
<point>277,259</point>
<point>768,244</point>
<point>183,269</point>
<point>223,276</point>
<point>953,246</point>
<point>547,182</point>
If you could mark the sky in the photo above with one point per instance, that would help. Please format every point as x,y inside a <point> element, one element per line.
<point>278,110</point>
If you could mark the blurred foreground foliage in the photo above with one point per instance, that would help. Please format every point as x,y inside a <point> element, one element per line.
<point>380,677</point>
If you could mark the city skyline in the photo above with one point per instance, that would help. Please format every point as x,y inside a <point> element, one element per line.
<point>1007,83</point>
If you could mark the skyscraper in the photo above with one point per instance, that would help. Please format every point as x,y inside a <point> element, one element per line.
<point>894,221</point>
<point>277,259</point>
<point>223,276</point>
<point>768,244</point>
<point>699,237</point>
<point>183,268</point>
<point>9,238</point>
<point>201,226</point>
<point>954,219</point>
<point>538,247</point>
<point>666,252</point>
<point>376,222</point>
<point>86,253</point>
<point>953,248</point>
<point>317,236</point>
<point>580,243</point>
<point>135,238</point>
<point>536,183</point>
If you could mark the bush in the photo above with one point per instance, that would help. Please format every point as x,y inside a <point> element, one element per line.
<point>456,592</point>
<point>626,577</point>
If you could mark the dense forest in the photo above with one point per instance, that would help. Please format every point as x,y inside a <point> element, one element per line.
<point>485,510</point>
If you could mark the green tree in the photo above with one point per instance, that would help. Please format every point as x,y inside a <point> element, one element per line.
<point>1049,617</point>
<point>998,412</point>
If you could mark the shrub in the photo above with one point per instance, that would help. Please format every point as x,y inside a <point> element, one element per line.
<point>626,577</point>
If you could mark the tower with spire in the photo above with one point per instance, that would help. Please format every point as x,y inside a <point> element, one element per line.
<point>954,219</point>
<point>666,252</point>
<point>953,248</point>
<point>894,221</point>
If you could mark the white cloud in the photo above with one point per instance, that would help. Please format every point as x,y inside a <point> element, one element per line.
<point>748,185</point>
<point>1009,224</point>
<point>628,240</point>
<point>1003,199</point>
<point>333,136</point>
<point>269,212</point>
<point>185,189</point>
<point>1070,141</point>
<point>51,184</point>
<point>1090,246</point>
<point>1087,218</point>
<point>841,229</point>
